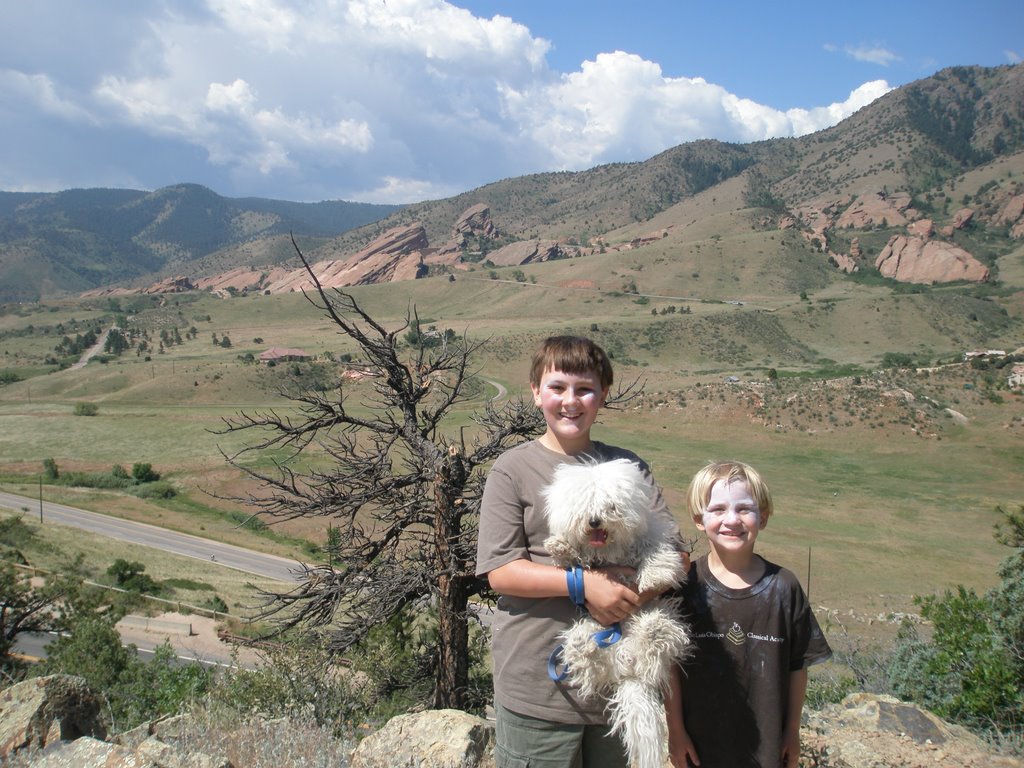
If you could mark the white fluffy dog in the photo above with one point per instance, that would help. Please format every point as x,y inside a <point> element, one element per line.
<point>600,514</point>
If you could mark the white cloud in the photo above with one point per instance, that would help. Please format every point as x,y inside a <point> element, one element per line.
<point>871,54</point>
<point>40,91</point>
<point>1013,57</point>
<point>804,121</point>
<point>385,100</point>
<point>622,107</point>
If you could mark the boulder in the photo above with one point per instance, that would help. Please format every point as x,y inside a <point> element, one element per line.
<point>881,731</point>
<point>962,218</point>
<point>1011,211</point>
<point>395,255</point>
<point>846,264</point>
<point>43,710</point>
<point>444,738</point>
<point>87,751</point>
<point>874,209</point>
<point>923,228</point>
<point>475,220</point>
<point>526,252</point>
<point>914,260</point>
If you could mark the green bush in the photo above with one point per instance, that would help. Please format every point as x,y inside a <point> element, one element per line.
<point>161,489</point>
<point>50,470</point>
<point>969,669</point>
<point>144,473</point>
<point>131,575</point>
<point>136,691</point>
<point>86,409</point>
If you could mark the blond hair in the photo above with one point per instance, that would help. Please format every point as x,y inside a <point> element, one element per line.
<point>699,493</point>
<point>571,354</point>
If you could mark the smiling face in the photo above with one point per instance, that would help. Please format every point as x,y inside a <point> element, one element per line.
<point>731,519</point>
<point>570,403</point>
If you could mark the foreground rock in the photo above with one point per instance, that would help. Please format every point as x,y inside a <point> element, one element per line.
<point>47,710</point>
<point>883,732</point>
<point>444,738</point>
<point>55,722</point>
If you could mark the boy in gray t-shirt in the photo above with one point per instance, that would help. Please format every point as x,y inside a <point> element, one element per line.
<point>540,720</point>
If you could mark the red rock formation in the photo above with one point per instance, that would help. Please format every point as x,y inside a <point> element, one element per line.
<point>962,218</point>
<point>1012,213</point>
<point>923,228</point>
<point>395,255</point>
<point>475,220</point>
<point>526,252</point>
<point>877,209</point>
<point>914,260</point>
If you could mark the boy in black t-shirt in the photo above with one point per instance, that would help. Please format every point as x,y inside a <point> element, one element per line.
<point>737,701</point>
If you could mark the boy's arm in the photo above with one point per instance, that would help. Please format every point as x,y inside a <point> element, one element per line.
<point>680,747</point>
<point>607,598</point>
<point>791,734</point>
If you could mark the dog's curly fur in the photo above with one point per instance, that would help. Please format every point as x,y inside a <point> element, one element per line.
<point>610,502</point>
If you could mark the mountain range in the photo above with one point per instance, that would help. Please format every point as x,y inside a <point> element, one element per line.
<point>924,185</point>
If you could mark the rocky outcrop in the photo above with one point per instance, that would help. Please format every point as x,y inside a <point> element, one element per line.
<point>962,218</point>
<point>475,220</point>
<point>877,209</point>
<point>395,255</point>
<point>526,252</point>
<point>1011,214</point>
<point>38,712</point>
<point>923,228</point>
<point>178,284</point>
<point>444,738</point>
<point>863,730</point>
<point>240,279</point>
<point>911,259</point>
<point>880,731</point>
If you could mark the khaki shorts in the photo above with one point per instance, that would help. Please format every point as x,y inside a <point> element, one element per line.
<point>525,742</point>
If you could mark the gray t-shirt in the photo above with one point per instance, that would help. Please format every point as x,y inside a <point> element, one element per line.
<point>525,631</point>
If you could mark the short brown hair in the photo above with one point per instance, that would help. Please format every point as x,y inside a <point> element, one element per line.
<point>699,493</point>
<point>571,354</point>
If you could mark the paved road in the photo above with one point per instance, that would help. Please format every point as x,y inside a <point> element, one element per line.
<point>227,555</point>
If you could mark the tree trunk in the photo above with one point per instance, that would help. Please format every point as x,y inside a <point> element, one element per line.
<point>452,676</point>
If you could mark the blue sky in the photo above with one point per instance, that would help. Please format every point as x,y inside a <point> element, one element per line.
<point>405,100</point>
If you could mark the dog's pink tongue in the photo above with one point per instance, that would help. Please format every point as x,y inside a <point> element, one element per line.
<point>598,537</point>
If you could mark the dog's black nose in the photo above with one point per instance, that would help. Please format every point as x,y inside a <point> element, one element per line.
<point>595,522</point>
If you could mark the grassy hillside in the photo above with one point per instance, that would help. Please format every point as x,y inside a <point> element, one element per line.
<point>748,341</point>
<point>891,491</point>
<point>72,241</point>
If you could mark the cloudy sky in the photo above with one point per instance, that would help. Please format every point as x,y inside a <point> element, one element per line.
<point>405,100</point>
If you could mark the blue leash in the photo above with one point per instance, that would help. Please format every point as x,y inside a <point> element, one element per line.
<point>603,638</point>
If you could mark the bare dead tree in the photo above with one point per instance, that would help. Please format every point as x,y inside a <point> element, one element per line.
<point>401,489</point>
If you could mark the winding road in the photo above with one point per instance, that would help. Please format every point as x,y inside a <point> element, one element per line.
<point>227,555</point>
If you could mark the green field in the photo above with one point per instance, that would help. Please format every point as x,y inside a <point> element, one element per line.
<point>880,489</point>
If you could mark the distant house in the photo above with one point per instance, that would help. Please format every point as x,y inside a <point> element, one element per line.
<point>283,355</point>
<point>984,353</point>
<point>1016,378</point>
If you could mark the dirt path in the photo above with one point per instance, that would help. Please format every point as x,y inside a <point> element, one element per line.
<point>192,637</point>
<point>92,351</point>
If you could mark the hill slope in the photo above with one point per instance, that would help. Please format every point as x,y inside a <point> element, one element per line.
<point>71,241</point>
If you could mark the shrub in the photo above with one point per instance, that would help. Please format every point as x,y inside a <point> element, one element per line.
<point>970,668</point>
<point>160,489</point>
<point>130,575</point>
<point>86,409</point>
<point>50,470</point>
<point>135,691</point>
<point>144,473</point>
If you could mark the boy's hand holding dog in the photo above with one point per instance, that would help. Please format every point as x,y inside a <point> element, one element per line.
<point>610,593</point>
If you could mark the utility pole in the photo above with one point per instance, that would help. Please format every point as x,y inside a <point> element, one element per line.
<point>40,499</point>
<point>808,574</point>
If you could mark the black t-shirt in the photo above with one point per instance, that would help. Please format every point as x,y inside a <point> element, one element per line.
<point>736,684</point>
